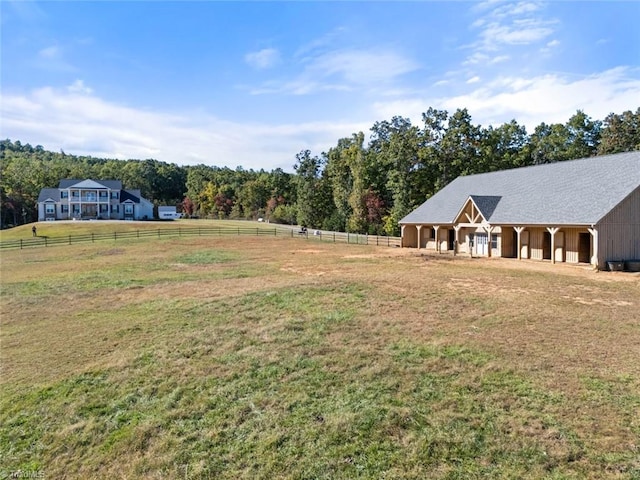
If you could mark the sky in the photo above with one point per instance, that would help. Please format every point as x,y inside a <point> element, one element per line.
<point>252,84</point>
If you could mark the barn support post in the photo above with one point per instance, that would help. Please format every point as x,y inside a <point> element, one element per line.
<point>401,236</point>
<point>594,235</point>
<point>457,239</point>
<point>519,230</point>
<point>553,231</point>
<point>435,228</point>
<point>488,229</point>
<point>419,228</point>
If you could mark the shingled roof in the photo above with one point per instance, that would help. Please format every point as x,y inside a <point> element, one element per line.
<point>72,182</point>
<point>575,192</point>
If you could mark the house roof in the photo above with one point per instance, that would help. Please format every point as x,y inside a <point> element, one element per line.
<point>49,194</point>
<point>131,195</point>
<point>88,183</point>
<point>574,192</point>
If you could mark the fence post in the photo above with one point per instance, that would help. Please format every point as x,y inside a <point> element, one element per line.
<point>45,241</point>
<point>69,239</point>
<point>138,232</point>
<point>348,238</point>
<point>92,241</point>
<point>115,236</point>
<point>158,233</point>
<point>20,244</point>
<point>334,237</point>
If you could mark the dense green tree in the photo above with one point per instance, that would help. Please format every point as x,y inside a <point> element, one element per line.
<point>396,143</point>
<point>548,143</point>
<point>506,146</point>
<point>620,133</point>
<point>353,187</point>
<point>583,136</point>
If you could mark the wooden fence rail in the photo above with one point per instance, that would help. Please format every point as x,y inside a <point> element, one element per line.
<point>316,235</point>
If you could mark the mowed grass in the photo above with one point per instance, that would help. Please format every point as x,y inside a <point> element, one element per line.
<point>260,357</point>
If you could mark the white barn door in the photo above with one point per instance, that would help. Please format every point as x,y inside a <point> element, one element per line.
<point>482,244</point>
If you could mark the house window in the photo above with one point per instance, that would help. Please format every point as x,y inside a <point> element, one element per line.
<point>76,209</point>
<point>50,208</point>
<point>75,193</point>
<point>64,194</point>
<point>114,195</point>
<point>116,208</point>
<point>103,194</point>
<point>128,209</point>
<point>494,241</point>
<point>104,208</point>
<point>64,208</point>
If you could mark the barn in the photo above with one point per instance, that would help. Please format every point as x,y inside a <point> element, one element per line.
<point>578,211</point>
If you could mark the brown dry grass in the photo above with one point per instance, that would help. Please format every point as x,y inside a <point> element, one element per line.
<point>569,331</point>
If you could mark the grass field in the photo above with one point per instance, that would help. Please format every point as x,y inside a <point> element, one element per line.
<point>260,357</point>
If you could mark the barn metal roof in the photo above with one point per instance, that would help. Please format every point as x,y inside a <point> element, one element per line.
<point>574,192</point>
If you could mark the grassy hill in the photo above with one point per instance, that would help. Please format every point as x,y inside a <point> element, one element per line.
<point>261,357</point>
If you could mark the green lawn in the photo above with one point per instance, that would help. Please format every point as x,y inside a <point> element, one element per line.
<point>265,357</point>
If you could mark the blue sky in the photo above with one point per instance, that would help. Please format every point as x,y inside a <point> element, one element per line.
<point>254,83</point>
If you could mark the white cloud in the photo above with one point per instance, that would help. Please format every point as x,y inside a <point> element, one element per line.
<point>263,59</point>
<point>530,101</point>
<point>322,43</point>
<point>343,70</point>
<point>52,58</point>
<point>51,52</point>
<point>510,24</point>
<point>88,125</point>
<point>512,9</point>
<point>475,79</point>
<point>521,32</point>
<point>362,66</point>
<point>78,86</point>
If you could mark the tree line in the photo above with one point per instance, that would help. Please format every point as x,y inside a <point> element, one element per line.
<point>360,185</point>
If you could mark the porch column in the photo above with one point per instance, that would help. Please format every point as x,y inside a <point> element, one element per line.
<point>553,231</point>
<point>594,236</point>
<point>419,228</point>
<point>457,238</point>
<point>519,230</point>
<point>488,229</point>
<point>402,235</point>
<point>436,227</point>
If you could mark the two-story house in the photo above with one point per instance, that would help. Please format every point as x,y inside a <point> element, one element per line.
<point>92,199</point>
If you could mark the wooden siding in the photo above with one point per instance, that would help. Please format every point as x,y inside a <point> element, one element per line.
<point>506,243</point>
<point>409,236</point>
<point>571,242</point>
<point>559,242</point>
<point>524,244</point>
<point>443,237</point>
<point>619,231</point>
<point>536,243</point>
